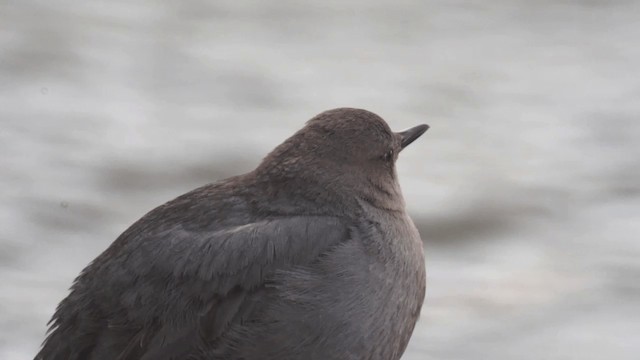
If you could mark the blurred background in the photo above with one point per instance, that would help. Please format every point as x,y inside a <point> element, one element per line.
<point>526,189</point>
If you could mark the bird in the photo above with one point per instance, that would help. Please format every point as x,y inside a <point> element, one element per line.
<point>311,255</point>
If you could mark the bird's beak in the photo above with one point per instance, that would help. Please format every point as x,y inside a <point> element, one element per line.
<point>410,135</point>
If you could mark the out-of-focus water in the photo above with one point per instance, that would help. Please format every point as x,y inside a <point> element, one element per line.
<point>526,189</point>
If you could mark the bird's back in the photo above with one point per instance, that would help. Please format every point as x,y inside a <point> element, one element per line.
<point>116,304</point>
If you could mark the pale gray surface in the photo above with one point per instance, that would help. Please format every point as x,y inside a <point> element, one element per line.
<point>526,188</point>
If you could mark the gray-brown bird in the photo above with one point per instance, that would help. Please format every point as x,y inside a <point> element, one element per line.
<point>309,256</point>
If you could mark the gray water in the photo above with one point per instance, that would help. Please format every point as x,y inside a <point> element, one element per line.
<point>526,189</point>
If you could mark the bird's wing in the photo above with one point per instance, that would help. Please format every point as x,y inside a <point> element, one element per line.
<point>154,288</point>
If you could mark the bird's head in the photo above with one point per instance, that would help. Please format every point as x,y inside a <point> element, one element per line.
<point>343,149</point>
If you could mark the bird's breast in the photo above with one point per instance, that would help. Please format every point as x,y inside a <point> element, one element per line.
<point>404,265</point>
<point>360,300</point>
<point>388,272</point>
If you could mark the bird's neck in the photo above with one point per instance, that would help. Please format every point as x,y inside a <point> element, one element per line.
<point>331,191</point>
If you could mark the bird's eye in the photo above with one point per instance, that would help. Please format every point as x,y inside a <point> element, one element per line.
<point>388,156</point>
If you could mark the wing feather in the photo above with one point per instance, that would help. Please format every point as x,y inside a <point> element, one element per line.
<point>169,289</point>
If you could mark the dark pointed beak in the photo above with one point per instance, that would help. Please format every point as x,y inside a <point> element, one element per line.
<point>410,135</point>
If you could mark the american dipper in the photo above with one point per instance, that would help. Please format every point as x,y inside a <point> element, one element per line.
<point>309,256</point>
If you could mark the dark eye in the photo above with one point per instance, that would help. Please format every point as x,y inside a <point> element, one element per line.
<point>388,156</point>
